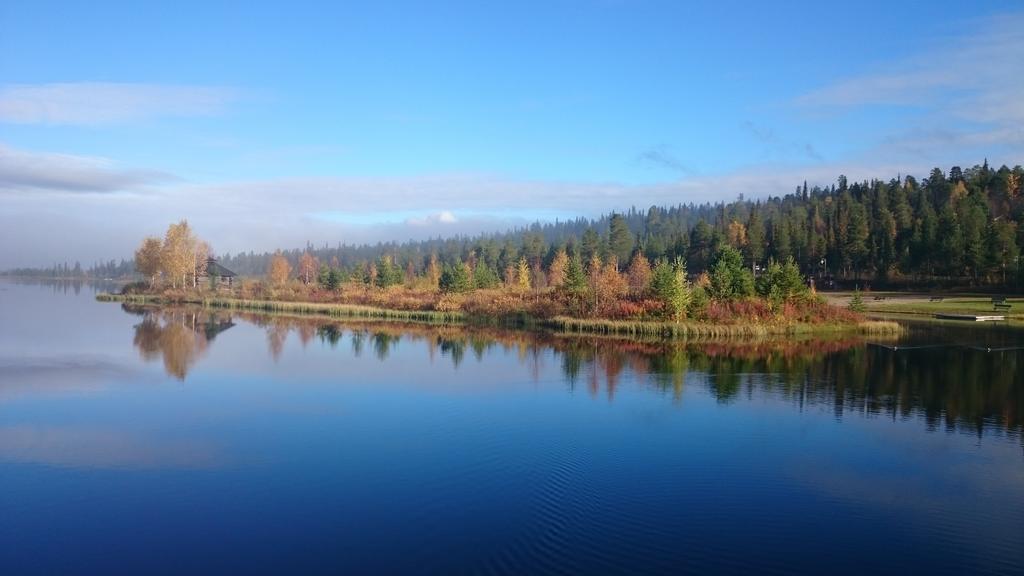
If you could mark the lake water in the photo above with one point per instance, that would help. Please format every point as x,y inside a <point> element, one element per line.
<point>178,441</point>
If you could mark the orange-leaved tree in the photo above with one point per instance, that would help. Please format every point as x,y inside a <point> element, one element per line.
<point>307,268</point>
<point>280,270</point>
<point>147,259</point>
<point>557,269</point>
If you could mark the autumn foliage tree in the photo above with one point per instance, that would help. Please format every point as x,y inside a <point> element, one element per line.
<point>557,269</point>
<point>201,252</point>
<point>181,257</point>
<point>523,275</point>
<point>639,274</point>
<point>280,271</point>
<point>307,268</point>
<point>610,286</point>
<point>737,234</point>
<point>433,273</point>
<point>148,259</point>
<point>178,253</point>
<point>594,278</point>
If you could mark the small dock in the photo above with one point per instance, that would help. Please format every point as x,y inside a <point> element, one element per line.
<point>971,317</point>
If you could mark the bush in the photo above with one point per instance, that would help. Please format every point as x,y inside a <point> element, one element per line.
<point>627,309</point>
<point>856,302</point>
<point>135,288</point>
<point>744,310</point>
<point>698,303</point>
<point>449,303</point>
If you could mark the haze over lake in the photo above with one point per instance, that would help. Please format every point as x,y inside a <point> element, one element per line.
<point>180,440</point>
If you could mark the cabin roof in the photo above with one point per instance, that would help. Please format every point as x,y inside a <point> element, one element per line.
<point>213,268</point>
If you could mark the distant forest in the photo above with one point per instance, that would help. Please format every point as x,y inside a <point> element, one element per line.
<point>964,227</point>
<point>110,270</point>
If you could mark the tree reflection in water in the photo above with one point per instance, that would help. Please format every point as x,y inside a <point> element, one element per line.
<point>951,388</point>
<point>178,336</point>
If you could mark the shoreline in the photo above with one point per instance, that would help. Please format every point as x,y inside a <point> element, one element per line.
<point>641,329</point>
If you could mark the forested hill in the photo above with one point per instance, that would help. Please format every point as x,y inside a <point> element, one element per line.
<point>965,224</point>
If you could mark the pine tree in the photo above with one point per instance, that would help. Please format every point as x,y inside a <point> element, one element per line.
<point>620,239</point>
<point>781,241</point>
<point>669,286</point>
<point>388,273</point>
<point>950,239</point>
<point>729,278</point>
<point>455,278</point>
<point>856,302</point>
<point>754,249</point>
<point>575,277</point>
<point>485,277</point>
<point>590,245</point>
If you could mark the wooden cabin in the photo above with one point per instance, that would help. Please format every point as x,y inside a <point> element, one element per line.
<point>219,275</point>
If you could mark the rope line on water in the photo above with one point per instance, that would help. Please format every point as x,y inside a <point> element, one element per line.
<point>896,347</point>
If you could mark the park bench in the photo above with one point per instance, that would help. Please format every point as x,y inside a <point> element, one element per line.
<point>935,299</point>
<point>1003,306</point>
<point>877,298</point>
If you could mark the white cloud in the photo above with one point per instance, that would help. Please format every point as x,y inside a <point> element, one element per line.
<point>970,86</point>
<point>25,171</point>
<point>95,103</point>
<point>446,199</point>
<point>442,217</point>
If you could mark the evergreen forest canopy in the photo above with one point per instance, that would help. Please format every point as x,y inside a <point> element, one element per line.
<point>961,227</point>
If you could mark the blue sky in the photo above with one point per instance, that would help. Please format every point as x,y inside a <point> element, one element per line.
<point>270,125</point>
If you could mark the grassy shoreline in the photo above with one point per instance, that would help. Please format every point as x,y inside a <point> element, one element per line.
<point>332,310</point>
<point>682,330</point>
<point>558,324</point>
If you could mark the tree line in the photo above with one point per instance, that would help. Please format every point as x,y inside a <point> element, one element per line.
<point>961,227</point>
<point>111,269</point>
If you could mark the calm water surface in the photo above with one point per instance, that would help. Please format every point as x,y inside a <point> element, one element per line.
<point>178,441</point>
